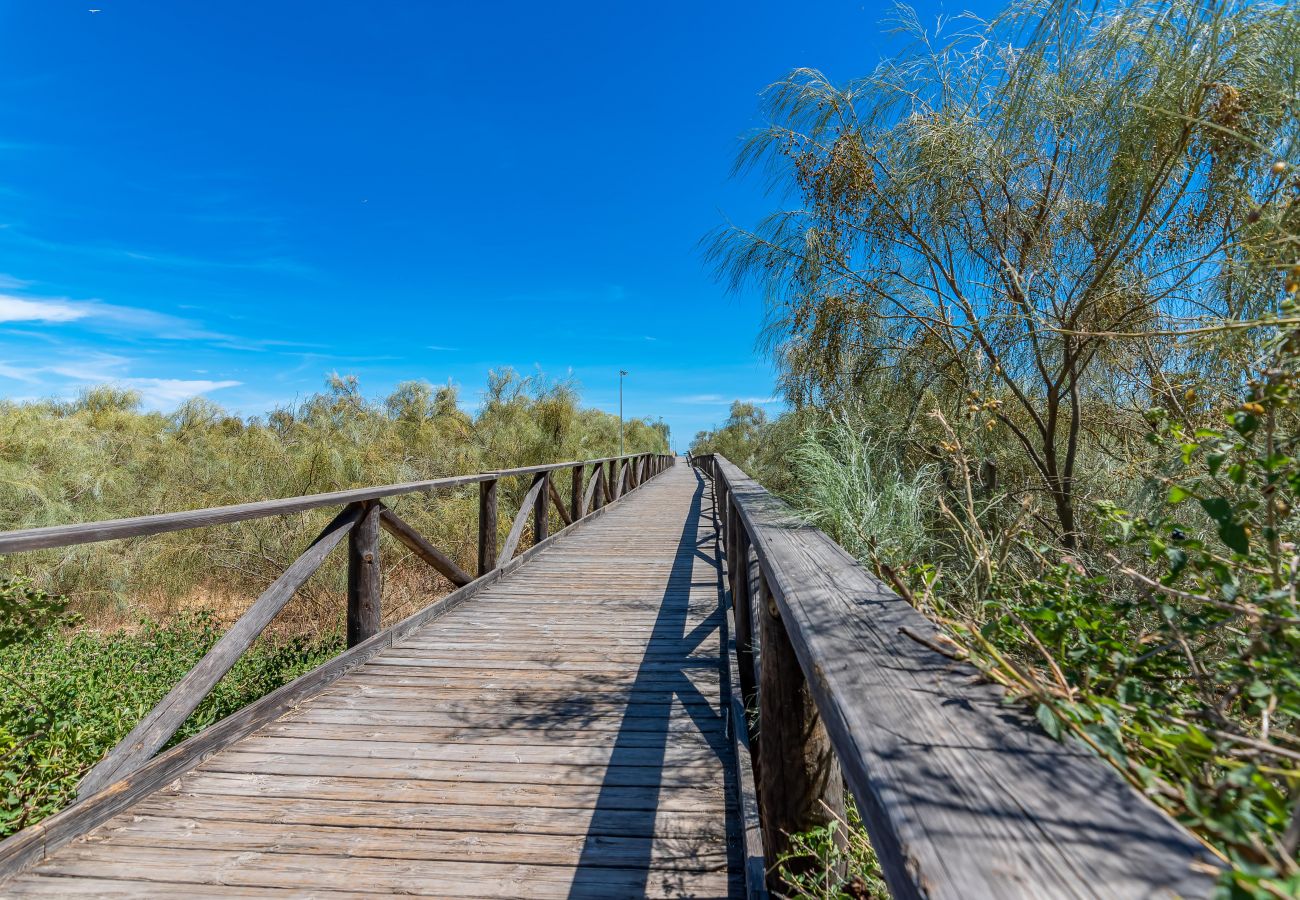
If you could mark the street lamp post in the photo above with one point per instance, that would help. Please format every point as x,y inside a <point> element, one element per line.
<point>621,373</point>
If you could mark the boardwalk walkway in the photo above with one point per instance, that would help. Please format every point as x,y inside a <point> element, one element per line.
<point>558,735</point>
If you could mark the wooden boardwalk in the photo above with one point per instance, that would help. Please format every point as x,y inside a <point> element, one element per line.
<point>561,734</point>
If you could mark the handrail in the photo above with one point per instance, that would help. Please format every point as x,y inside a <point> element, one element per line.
<point>362,517</point>
<point>50,536</point>
<point>962,795</point>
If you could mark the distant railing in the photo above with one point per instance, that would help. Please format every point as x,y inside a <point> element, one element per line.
<point>360,520</point>
<point>962,796</point>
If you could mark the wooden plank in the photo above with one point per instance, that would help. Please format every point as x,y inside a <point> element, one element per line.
<point>237,760</point>
<point>565,516</point>
<point>415,542</point>
<point>547,752</point>
<point>962,796</point>
<point>595,496</point>
<point>156,728</point>
<point>305,872</point>
<point>348,730</point>
<point>404,714</point>
<point>403,792</point>
<point>701,825</point>
<point>685,853</point>
<point>92,886</point>
<point>521,519</point>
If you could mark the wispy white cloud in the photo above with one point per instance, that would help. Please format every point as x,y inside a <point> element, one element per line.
<point>109,317</point>
<point>166,392</point>
<point>19,309</point>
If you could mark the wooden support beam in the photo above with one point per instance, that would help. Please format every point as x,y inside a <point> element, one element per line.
<point>487,526</point>
<point>800,786</point>
<point>521,519</point>
<point>161,723</point>
<point>364,577</point>
<point>541,509</point>
<point>595,498</point>
<point>559,502</point>
<point>576,500</point>
<point>415,542</point>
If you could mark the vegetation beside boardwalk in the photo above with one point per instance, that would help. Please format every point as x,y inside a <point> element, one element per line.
<point>93,636</point>
<point>1033,294</point>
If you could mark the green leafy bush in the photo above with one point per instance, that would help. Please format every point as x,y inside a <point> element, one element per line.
<point>67,697</point>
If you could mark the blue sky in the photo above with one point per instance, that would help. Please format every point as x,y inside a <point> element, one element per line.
<point>235,199</point>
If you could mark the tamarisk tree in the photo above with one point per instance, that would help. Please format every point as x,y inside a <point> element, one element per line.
<point>1022,216</point>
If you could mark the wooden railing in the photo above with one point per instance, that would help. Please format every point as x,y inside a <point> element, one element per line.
<point>362,516</point>
<point>962,795</point>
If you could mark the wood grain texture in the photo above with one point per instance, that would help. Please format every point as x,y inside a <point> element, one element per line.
<point>963,796</point>
<point>416,543</point>
<point>526,509</point>
<point>365,580</point>
<point>461,755</point>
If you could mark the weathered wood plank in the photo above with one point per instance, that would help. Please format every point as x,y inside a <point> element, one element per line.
<point>521,518</point>
<point>684,852</point>
<point>703,824</point>
<point>400,793</point>
<point>307,872</point>
<point>415,542</point>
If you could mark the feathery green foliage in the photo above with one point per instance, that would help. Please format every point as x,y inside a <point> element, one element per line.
<point>99,457</point>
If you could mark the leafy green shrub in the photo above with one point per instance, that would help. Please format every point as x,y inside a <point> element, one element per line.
<point>68,697</point>
<point>848,868</point>
<point>27,611</point>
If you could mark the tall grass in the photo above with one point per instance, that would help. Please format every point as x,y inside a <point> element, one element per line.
<point>852,486</point>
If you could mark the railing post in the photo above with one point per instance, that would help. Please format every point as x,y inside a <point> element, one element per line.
<point>742,606</point>
<point>542,510</point>
<point>487,526</point>
<point>797,770</point>
<point>364,588</point>
<point>575,493</point>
